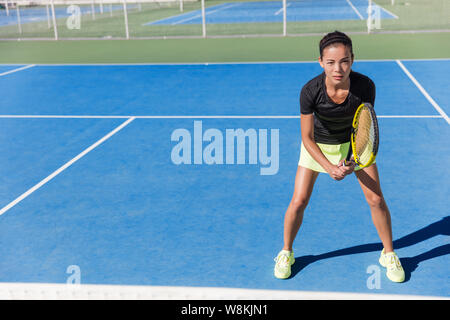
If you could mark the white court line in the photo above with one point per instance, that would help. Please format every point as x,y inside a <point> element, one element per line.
<point>18,69</point>
<point>424,92</point>
<point>413,117</point>
<point>64,167</point>
<point>6,116</point>
<point>60,291</point>
<point>206,13</point>
<point>386,10</point>
<point>147,117</point>
<point>356,10</point>
<point>176,16</point>
<point>281,10</point>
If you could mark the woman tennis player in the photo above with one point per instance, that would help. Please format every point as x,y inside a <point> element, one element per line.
<point>327,105</point>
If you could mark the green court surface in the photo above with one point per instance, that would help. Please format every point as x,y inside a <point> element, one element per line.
<point>372,46</point>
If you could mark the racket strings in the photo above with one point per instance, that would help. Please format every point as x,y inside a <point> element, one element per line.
<point>364,136</point>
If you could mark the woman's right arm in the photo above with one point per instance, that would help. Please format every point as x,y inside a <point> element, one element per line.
<point>307,131</point>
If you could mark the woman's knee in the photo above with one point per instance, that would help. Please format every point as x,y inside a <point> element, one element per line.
<point>375,200</point>
<point>299,203</point>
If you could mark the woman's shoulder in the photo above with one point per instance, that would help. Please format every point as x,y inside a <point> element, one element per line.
<point>314,84</point>
<point>361,78</point>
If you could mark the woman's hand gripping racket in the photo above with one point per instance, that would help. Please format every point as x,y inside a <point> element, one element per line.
<point>364,138</point>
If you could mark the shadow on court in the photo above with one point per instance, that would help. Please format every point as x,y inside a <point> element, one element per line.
<point>410,264</point>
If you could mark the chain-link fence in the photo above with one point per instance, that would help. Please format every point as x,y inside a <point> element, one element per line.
<point>129,19</point>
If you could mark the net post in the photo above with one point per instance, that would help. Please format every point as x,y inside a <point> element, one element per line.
<point>18,18</point>
<point>54,20</point>
<point>125,14</point>
<point>181,6</point>
<point>6,7</point>
<point>203,20</point>
<point>284,18</point>
<point>101,6</point>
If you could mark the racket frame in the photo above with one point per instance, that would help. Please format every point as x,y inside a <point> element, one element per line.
<point>352,149</point>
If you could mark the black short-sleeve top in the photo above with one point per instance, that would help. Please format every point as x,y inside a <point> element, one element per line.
<point>332,121</point>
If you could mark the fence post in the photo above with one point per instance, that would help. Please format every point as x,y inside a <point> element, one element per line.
<point>126,18</point>
<point>47,9</point>
<point>18,18</point>
<point>369,17</point>
<point>203,19</point>
<point>54,20</point>
<point>284,18</point>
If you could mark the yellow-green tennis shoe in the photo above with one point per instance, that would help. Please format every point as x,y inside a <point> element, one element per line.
<point>283,262</point>
<point>394,269</point>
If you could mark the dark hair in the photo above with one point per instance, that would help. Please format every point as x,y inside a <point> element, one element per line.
<point>335,37</point>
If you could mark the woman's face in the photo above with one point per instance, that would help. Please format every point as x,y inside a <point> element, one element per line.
<point>337,62</point>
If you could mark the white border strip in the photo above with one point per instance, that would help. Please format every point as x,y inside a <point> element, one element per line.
<point>424,92</point>
<point>54,291</point>
<point>356,10</point>
<point>64,167</point>
<point>15,70</point>
<point>6,116</point>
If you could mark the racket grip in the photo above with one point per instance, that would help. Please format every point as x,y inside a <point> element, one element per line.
<point>347,162</point>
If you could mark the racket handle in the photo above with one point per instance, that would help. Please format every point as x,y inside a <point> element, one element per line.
<point>347,162</point>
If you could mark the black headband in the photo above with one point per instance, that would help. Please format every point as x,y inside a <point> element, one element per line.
<point>338,38</point>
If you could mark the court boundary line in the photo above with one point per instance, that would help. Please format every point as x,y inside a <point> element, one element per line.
<point>282,9</point>
<point>180,15</point>
<point>386,10</point>
<point>18,69</point>
<point>3,116</point>
<point>60,291</point>
<point>423,91</point>
<point>354,9</point>
<point>206,13</point>
<point>64,167</point>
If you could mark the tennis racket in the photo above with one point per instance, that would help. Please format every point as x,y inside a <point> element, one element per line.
<point>364,137</point>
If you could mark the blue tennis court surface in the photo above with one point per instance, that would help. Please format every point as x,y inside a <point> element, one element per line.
<point>272,11</point>
<point>89,178</point>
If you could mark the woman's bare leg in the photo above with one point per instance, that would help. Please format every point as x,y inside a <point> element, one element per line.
<point>304,183</point>
<point>370,184</point>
